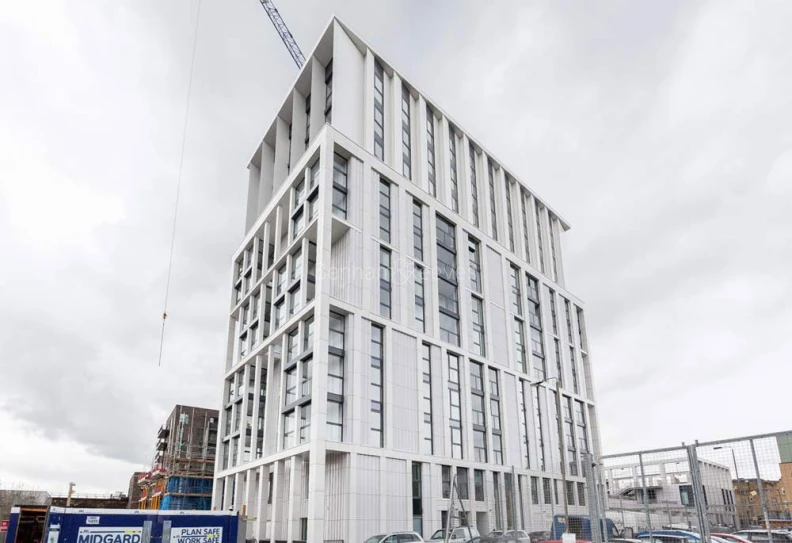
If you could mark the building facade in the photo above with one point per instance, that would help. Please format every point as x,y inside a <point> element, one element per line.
<point>669,488</point>
<point>183,468</point>
<point>399,322</point>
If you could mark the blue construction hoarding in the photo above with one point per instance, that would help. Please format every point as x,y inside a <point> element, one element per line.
<point>65,525</point>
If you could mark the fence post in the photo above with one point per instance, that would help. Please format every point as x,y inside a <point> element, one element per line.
<point>761,493</point>
<point>593,491</point>
<point>645,494</point>
<point>698,494</point>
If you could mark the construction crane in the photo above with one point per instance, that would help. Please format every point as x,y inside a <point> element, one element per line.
<point>283,32</point>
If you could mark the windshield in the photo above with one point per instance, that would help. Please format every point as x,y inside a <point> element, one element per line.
<point>375,538</point>
<point>439,534</point>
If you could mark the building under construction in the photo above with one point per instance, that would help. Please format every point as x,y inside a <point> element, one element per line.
<point>183,467</point>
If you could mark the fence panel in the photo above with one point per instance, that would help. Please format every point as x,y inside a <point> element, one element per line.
<point>739,486</point>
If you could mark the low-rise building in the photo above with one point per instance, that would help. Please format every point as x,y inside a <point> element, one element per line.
<point>669,489</point>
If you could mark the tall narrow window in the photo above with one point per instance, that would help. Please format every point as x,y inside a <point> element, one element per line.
<point>479,342</point>
<point>377,402</point>
<point>516,291</point>
<point>335,377</point>
<point>539,429</point>
<point>478,485</point>
<point>582,433</point>
<point>551,234</point>
<point>305,423</point>
<point>509,220</point>
<point>539,244</point>
<point>524,206</point>
<point>479,420</point>
<point>426,402</point>
<point>417,498</point>
<point>519,343</point>
<point>498,506</point>
<point>463,484</point>
<point>446,481</point>
<point>328,111</point>
<point>474,263</point>
<point>573,365</point>
<point>553,313</point>
<point>307,120</point>
<point>288,157</point>
<point>497,438</point>
<point>581,334</point>
<point>569,436</point>
<point>379,111</point>
<point>535,490</point>
<point>535,319</point>
<point>473,185</point>
<point>385,283</point>
<point>493,211</point>
<point>547,491</point>
<point>526,450</point>
<point>406,144</point>
<point>418,230</point>
<point>447,285</point>
<point>340,165</point>
<point>453,170</point>
<point>288,429</point>
<point>430,151</point>
<point>559,362</point>
<point>568,312</point>
<point>385,211</point>
<point>420,302</point>
<point>455,414</point>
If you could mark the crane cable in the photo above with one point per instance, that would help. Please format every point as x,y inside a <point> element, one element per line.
<point>178,183</point>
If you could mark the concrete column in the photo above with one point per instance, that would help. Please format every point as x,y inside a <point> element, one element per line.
<point>249,505</point>
<point>281,153</point>
<point>298,126</point>
<point>316,489</point>
<point>254,181</point>
<point>243,419</point>
<point>294,493</point>
<point>217,490</point>
<point>239,489</point>
<point>267,170</point>
<point>277,504</point>
<point>318,89</point>
<point>352,528</point>
<point>262,509</point>
<point>228,493</point>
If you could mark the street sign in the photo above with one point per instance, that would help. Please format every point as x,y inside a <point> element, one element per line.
<point>3,525</point>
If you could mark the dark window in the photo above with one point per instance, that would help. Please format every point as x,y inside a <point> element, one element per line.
<point>473,185</point>
<point>379,111</point>
<point>478,485</point>
<point>340,166</point>
<point>446,476</point>
<point>406,131</point>
<point>430,150</point>
<point>453,170</point>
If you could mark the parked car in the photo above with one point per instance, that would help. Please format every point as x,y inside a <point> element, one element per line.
<point>761,536</point>
<point>669,536</point>
<point>539,537</point>
<point>463,533</point>
<point>395,537</point>
<point>483,539</point>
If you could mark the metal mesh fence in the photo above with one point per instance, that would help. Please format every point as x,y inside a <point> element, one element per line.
<point>730,491</point>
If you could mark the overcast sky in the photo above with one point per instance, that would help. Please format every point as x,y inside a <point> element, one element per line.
<point>661,130</point>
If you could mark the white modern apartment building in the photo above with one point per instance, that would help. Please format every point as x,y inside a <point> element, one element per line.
<point>399,317</point>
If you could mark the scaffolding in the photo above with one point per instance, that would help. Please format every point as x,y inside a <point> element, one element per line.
<point>183,465</point>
